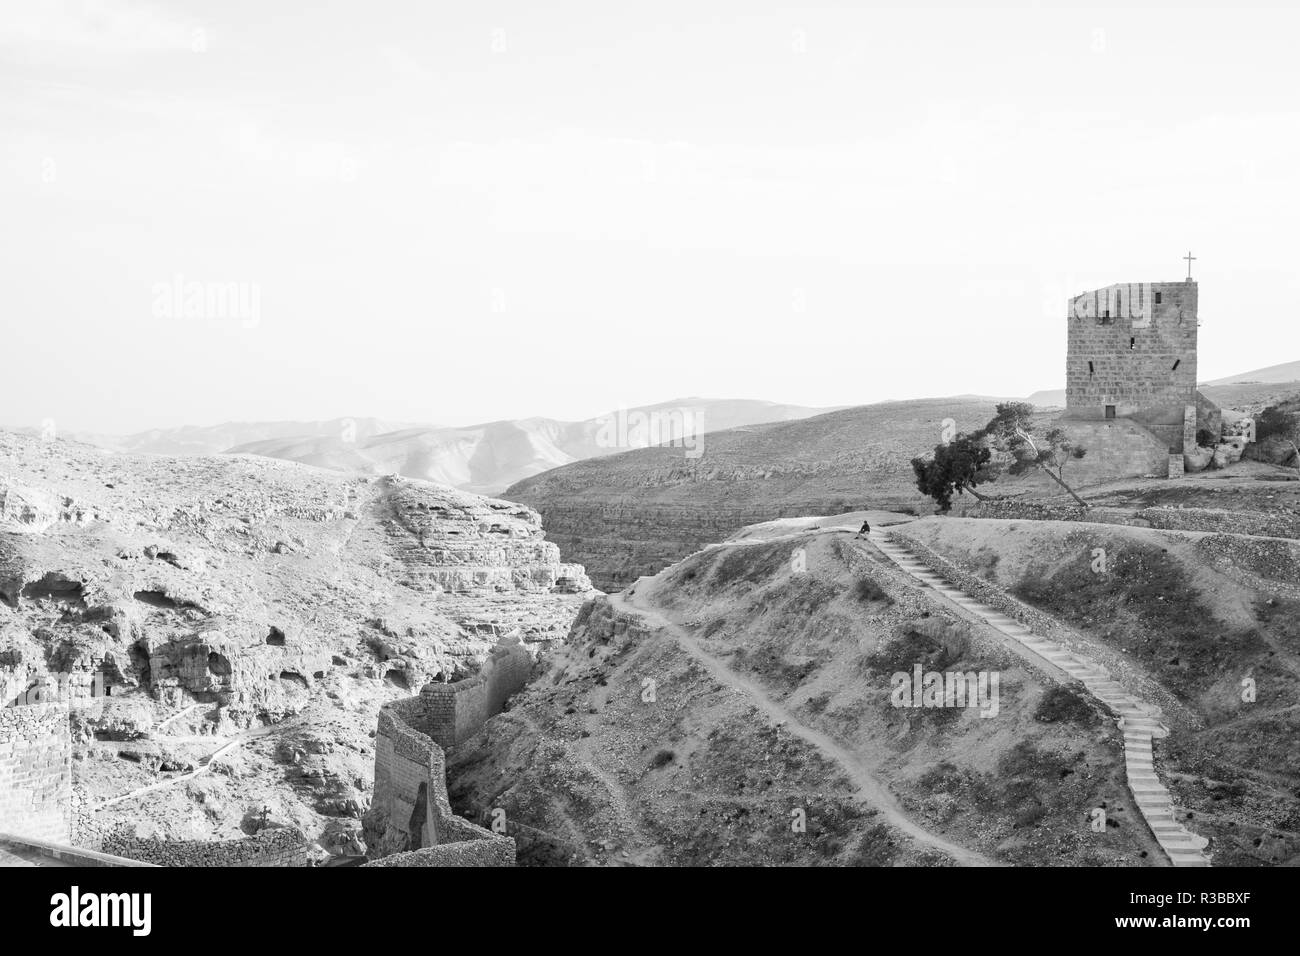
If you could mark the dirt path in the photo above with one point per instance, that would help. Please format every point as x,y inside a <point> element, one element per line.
<point>869,788</point>
<point>617,792</point>
<point>231,742</point>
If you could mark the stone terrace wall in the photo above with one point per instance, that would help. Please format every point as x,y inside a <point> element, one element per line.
<point>36,772</point>
<point>455,712</point>
<point>1276,524</point>
<point>409,814</point>
<point>279,846</point>
<point>1260,523</point>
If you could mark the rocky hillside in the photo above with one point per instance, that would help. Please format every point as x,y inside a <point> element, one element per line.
<point>736,709</point>
<point>635,513</point>
<point>1211,620</point>
<point>256,609</point>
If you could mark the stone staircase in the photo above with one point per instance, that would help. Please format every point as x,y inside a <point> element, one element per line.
<point>1138,720</point>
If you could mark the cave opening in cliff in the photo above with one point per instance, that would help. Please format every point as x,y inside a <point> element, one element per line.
<point>161,599</point>
<point>138,654</point>
<point>219,664</point>
<point>55,587</point>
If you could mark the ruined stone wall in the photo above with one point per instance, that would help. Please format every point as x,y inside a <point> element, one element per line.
<point>409,810</point>
<point>455,712</point>
<point>278,846</point>
<point>1128,350</point>
<point>36,772</point>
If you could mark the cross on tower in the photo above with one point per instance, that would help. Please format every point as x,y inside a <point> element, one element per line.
<point>1189,257</point>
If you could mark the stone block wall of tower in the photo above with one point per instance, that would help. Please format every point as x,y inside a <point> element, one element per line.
<point>1132,346</point>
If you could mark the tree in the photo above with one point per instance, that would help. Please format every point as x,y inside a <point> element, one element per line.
<point>1009,430</point>
<point>956,467</point>
<point>1282,424</point>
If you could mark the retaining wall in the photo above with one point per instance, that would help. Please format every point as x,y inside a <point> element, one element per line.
<point>36,772</point>
<point>1269,524</point>
<point>455,712</point>
<point>409,812</point>
<point>278,846</point>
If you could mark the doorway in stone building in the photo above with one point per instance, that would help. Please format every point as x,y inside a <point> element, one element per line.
<point>1110,411</point>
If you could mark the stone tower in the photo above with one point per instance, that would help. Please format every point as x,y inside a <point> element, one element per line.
<point>1132,356</point>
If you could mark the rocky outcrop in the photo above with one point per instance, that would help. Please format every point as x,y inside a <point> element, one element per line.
<point>1198,459</point>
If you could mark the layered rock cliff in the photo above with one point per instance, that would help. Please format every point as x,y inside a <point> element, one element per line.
<point>206,600</point>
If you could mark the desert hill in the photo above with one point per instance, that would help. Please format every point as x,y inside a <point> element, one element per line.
<point>693,718</point>
<point>635,513</point>
<point>488,458</point>
<point>632,514</point>
<point>1273,374</point>
<point>244,601</point>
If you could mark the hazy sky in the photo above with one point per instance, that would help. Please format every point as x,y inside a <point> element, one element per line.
<point>460,212</point>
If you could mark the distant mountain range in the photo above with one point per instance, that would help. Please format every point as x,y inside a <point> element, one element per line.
<point>490,457</point>
<point>214,439</point>
<point>484,459</point>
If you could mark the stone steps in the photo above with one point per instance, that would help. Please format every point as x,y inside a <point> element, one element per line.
<point>1138,720</point>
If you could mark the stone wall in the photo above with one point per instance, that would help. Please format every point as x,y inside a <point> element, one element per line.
<point>278,846</point>
<point>79,856</point>
<point>1128,350</point>
<point>1116,448</point>
<point>496,852</point>
<point>1269,524</point>
<point>409,811</point>
<point>455,712</point>
<point>36,772</point>
<point>1275,524</point>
